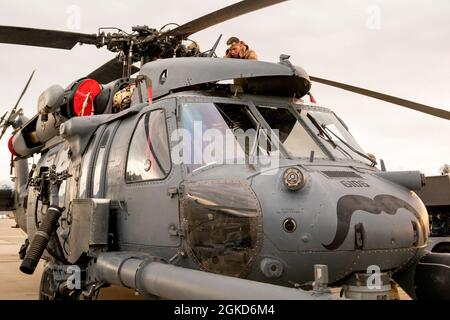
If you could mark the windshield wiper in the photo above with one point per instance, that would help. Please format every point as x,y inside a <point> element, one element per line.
<point>349,146</point>
<point>321,130</point>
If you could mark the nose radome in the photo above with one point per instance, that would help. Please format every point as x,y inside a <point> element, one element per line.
<point>346,220</point>
<point>332,214</point>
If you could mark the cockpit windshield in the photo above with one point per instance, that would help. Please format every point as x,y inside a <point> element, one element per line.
<point>233,133</point>
<point>329,128</point>
<point>293,136</point>
<point>222,133</point>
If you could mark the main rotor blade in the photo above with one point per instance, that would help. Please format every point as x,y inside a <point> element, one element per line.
<point>4,128</point>
<point>110,71</point>
<point>444,114</point>
<point>9,122</point>
<point>3,118</point>
<point>219,16</point>
<point>44,38</point>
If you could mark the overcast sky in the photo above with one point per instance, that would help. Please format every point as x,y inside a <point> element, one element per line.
<point>398,47</point>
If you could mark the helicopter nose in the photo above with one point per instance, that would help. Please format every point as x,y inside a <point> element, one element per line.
<point>357,211</point>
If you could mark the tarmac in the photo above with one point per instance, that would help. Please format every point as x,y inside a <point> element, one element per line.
<point>16,285</point>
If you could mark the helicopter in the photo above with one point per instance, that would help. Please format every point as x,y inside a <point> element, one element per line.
<point>286,206</point>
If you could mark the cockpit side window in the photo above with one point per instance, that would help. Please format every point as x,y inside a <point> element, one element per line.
<point>149,151</point>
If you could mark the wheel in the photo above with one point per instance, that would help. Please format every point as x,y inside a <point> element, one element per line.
<point>443,247</point>
<point>50,288</point>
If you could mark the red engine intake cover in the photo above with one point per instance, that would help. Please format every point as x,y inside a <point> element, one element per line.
<point>10,146</point>
<point>83,98</point>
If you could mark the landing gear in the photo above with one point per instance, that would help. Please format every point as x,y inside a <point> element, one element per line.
<point>432,277</point>
<point>51,288</point>
<point>370,286</point>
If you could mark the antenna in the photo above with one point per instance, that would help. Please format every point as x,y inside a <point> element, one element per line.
<point>213,49</point>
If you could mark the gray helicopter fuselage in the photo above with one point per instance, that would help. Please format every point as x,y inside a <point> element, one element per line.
<point>346,216</point>
<point>209,164</point>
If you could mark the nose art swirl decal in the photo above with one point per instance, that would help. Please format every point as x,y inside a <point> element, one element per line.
<point>347,205</point>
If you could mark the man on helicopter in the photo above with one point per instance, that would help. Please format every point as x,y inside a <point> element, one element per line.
<point>239,50</point>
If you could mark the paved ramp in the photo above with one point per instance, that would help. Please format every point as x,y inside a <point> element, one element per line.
<point>16,285</point>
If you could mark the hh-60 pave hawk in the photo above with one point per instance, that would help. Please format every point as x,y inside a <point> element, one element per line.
<point>108,198</point>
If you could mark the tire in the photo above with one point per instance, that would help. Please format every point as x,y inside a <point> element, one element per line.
<point>49,288</point>
<point>443,247</point>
